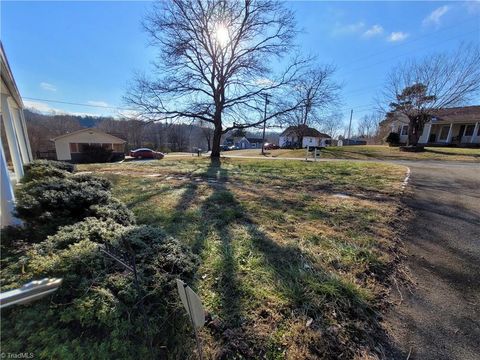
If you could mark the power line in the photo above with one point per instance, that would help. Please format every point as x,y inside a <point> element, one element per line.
<point>408,53</point>
<point>389,59</point>
<point>366,57</point>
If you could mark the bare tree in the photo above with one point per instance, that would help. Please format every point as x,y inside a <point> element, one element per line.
<point>42,128</point>
<point>207,132</point>
<point>316,92</point>
<point>368,125</point>
<point>215,63</point>
<point>332,124</point>
<point>418,88</point>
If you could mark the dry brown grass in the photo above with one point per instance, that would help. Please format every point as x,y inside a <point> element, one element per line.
<point>295,256</point>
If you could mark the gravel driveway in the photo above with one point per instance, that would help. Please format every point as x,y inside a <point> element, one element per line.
<point>440,318</point>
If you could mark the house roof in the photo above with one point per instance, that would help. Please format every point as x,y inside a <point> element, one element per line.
<point>303,130</point>
<point>447,115</point>
<point>91,130</point>
<point>8,79</point>
<point>458,114</point>
<point>254,140</point>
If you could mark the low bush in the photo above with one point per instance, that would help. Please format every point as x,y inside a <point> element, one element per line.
<point>45,168</point>
<point>95,313</point>
<point>96,154</point>
<point>52,197</point>
<point>393,139</point>
<point>113,209</point>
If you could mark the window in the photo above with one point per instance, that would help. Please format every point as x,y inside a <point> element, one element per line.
<point>404,130</point>
<point>444,132</point>
<point>118,147</point>
<point>73,148</point>
<point>469,130</point>
<point>107,146</point>
<point>82,147</point>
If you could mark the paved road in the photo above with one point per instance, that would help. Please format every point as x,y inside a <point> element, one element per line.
<point>441,318</point>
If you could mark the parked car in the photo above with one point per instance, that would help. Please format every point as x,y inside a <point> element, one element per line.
<point>224,148</point>
<point>145,153</point>
<point>270,146</point>
<point>233,147</point>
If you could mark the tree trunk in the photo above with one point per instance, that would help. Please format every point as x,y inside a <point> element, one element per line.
<point>209,147</point>
<point>217,135</point>
<point>414,128</point>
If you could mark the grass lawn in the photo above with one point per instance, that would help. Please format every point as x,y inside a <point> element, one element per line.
<point>375,152</point>
<point>294,256</point>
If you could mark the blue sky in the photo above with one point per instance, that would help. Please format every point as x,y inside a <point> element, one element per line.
<point>87,52</point>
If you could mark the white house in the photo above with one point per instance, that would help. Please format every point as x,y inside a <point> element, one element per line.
<point>244,142</point>
<point>17,139</point>
<point>451,126</point>
<point>311,137</point>
<point>71,146</point>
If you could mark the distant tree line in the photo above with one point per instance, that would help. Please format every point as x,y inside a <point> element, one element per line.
<point>158,136</point>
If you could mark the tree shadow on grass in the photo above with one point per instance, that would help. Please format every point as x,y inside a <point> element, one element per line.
<point>345,321</point>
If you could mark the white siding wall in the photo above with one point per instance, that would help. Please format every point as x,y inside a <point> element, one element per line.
<point>310,141</point>
<point>284,139</point>
<point>62,145</point>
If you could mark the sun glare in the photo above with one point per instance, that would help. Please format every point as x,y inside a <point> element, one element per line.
<point>221,34</point>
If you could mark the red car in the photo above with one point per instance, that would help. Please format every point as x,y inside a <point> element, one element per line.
<point>270,146</point>
<point>145,153</point>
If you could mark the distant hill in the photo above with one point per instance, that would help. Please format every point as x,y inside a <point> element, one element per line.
<point>83,121</point>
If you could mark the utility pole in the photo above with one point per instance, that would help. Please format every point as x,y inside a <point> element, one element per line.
<point>264,124</point>
<point>349,127</point>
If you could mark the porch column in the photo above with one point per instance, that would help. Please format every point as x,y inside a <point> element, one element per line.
<point>7,196</point>
<point>475,132</point>
<point>25,132</point>
<point>426,133</point>
<point>22,141</point>
<point>12,138</point>
<point>449,137</point>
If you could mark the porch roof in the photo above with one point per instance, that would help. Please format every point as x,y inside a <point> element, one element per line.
<point>464,115</point>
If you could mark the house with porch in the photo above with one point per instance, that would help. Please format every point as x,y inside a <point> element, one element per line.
<point>459,126</point>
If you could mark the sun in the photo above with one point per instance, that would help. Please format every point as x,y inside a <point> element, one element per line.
<point>221,34</point>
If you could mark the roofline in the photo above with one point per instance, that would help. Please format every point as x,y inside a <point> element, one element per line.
<point>9,79</point>
<point>86,129</point>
